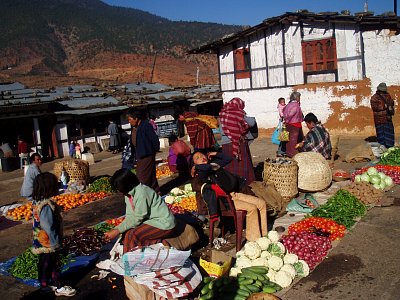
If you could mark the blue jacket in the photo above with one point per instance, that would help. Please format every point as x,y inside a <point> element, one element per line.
<point>147,142</point>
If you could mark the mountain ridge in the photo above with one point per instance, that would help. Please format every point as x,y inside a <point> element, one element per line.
<point>68,37</point>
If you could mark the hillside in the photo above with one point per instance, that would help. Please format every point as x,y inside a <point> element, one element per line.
<point>92,39</point>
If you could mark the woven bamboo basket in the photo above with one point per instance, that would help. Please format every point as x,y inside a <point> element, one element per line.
<point>314,171</point>
<point>283,177</point>
<point>77,169</point>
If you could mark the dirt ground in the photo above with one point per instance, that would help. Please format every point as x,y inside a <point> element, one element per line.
<point>362,266</point>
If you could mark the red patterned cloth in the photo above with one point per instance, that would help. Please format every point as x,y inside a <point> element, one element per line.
<point>201,135</point>
<point>233,124</point>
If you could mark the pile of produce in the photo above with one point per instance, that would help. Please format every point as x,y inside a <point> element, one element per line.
<point>23,212</point>
<point>378,179</point>
<point>84,241</point>
<point>26,265</point>
<point>182,200</point>
<point>342,207</point>
<point>251,280</point>
<point>162,171</point>
<point>102,184</point>
<point>391,171</point>
<point>391,157</point>
<point>364,192</point>
<point>108,225</point>
<point>269,253</point>
<point>310,247</point>
<point>319,226</point>
<point>68,201</point>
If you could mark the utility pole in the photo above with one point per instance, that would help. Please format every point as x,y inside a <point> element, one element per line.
<point>395,7</point>
<point>197,76</point>
<point>152,69</point>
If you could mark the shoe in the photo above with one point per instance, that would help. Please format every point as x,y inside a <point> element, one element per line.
<point>53,288</point>
<point>65,291</point>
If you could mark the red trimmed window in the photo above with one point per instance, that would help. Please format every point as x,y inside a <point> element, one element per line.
<point>319,56</point>
<point>242,63</point>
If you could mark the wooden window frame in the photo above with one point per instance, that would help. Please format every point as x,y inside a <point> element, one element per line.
<point>242,63</point>
<point>316,61</point>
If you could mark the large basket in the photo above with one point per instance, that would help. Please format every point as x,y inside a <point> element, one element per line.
<point>77,169</point>
<point>314,171</point>
<point>283,177</point>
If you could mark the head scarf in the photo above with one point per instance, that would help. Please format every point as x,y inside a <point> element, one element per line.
<point>233,123</point>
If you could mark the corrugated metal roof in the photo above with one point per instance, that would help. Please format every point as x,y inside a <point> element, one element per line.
<point>11,86</point>
<point>88,101</point>
<point>132,87</point>
<point>91,111</point>
<point>302,16</point>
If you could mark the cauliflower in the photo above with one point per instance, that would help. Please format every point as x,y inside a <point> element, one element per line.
<point>261,261</point>
<point>283,278</point>
<point>176,191</point>
<point>188,187</point>
<point>169,199</point>
<point>240,253</point>
<point>252,250</point>
<point>277,249</point>
<point>266,254</point>
<point>290,269</point>
<point>273,236</point>
<point>243,262</point>
<point>302,268</point>
<point>234,272</point>
<point>271,275</point>
<point>290,258</point>
<point>275,263</point>
<point>263,242</point>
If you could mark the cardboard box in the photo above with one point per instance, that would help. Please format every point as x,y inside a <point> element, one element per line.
<point>212,265</point>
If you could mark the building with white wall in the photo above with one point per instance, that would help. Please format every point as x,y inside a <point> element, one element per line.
<point>335,61</point>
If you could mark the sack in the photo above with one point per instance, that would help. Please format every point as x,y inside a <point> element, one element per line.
<point>270,195</point>
<point>306,204</point>
<point>283,135</point>
<point>227,181</point>
<point>252,134</point>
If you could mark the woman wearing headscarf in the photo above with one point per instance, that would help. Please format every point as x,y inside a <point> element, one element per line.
<point>234,144</point>
<point>293,116</point>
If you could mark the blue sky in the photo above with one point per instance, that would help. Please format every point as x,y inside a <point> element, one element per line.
<point>250,12</point>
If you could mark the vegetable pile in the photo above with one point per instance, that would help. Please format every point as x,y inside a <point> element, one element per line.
<point>68,201</point>
<point>307,246</point>
<point>391,157</point>
<point>251,280</point>
<point>26,265</point>
<point>102,184</point>
<point>269,253</point>
<point>364,192</point>
<point>181,201</point>
<point>319,226</point>
<point>343,208</point>
<point>84,241</point>
<point>23,212</point>
<point>391,171</point>
<point>162,171</point>
<point>378,179</point>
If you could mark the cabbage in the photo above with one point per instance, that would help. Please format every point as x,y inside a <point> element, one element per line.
<point>365,177</point>
<point>382,185</point>
<point>388,181</point>
<point>372,171</point>
<point>375,179</point>
<point>377,186</point>
<point>357,178</point>
<point>382,175</point>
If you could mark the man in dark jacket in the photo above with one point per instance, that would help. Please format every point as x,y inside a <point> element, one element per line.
<point>147,144</point>
<point>382,106</point>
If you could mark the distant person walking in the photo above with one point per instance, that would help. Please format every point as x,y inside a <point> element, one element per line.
<point>153,123</point>
<point>147,144</point>
<point>113,131</point>
<point>293,116</point>
<point>23,151</point>
<point>31,173</point>
<point>382,106</point>
<point>282,145</point>
<point>72,149</point>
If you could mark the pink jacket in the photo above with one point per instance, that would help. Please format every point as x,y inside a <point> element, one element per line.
<point>292,113</point>
<point>280,109</point>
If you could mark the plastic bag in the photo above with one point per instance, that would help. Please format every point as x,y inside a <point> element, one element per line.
<point>306,204</point>
<point>283,135</point>
<point>275,134</point>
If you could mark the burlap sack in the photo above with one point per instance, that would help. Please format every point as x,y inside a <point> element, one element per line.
<point>360,153</point>
<point>187,237</point>
<point>268,192</point>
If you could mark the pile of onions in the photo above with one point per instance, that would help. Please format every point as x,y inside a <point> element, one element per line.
<point>307,246</point>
